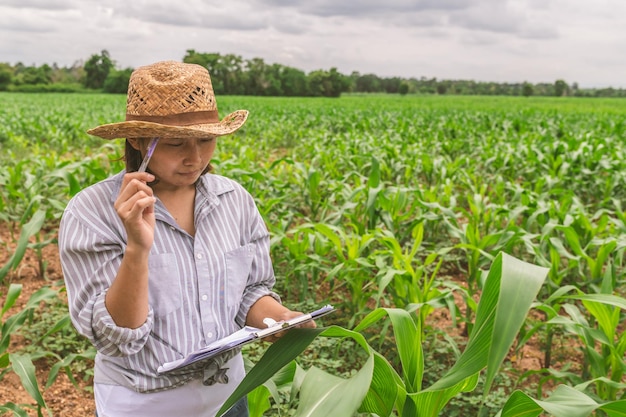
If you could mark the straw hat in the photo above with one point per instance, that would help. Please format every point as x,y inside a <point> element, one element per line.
<point>171,100</point>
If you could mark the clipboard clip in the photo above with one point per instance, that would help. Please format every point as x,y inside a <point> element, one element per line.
<point>269,322</point>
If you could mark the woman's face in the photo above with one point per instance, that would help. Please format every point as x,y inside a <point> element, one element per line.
<point>179,162</point>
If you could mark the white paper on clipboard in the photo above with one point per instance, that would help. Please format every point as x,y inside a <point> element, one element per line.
<point>240,338</point>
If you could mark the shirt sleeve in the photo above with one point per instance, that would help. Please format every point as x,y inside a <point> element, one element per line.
<point>91,251</point>
<point>261,279</point>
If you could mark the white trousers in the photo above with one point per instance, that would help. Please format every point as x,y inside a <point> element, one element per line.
<point>191,400</point>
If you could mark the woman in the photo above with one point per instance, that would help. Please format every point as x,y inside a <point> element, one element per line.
<point>160,263</point>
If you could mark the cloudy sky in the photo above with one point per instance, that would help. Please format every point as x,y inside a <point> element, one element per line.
<point>581,41</point>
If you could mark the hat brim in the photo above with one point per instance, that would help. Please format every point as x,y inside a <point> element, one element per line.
<point>140,129</point>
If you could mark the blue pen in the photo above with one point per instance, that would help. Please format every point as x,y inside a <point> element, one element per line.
<point>146,159</point>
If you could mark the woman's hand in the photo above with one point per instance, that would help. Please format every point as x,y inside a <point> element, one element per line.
<point>268,307</point>
<point>287,315</point>
<point>135,207</point>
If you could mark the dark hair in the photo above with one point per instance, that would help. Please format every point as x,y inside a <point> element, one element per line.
<point>133,158</point>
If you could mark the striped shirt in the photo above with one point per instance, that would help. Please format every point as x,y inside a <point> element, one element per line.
<point>200,287</point>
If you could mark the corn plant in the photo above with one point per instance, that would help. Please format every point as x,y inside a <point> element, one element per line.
<point>603,343</point>
<point>408,279</point>
<point>479,232</point>
<point>586,243</point>
<point>377,387</point>
<point>21,364</point>
<point>345,254</point>
<point>29,229</point>
<point>304,267</point>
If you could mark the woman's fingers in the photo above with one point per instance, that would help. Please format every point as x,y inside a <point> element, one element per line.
<point>133,183</point>
<point>135,207</point>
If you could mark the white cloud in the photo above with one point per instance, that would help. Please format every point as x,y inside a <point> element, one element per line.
<point>41,4</point>
<point>499,40</point>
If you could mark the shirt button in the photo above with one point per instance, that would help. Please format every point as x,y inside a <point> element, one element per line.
<point>172,228</point>
<point>199,255</point>
<point>209,335</point>
<point>205,297</point>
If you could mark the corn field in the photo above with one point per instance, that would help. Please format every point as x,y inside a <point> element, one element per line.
<point>506,212</point>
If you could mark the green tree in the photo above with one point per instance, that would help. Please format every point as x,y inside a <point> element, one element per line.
<point>294,82</point>
<point>368,83</point>
<point>117,81</point>
<point>34,75</point>
<point>391,85</point>
<point>274,79</point>
<point>231,75</point>
<point>6,76</point>
<point>317,81</point>
<point>328,83</point>
<point>560,88</point>
<point>527,89</point>
<point>257,76</point>
<point>68,75</point>
<point>97,69</point>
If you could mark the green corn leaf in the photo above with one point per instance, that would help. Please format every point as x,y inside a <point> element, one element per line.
<point>23,366</point>
<point>258,401</point>
<point>4,360</point>
<point>90,355</point>
<point>350,393</point>
<point>557,244</point>
<point>409,344</point>
<point>323,394</point>
<point>564,402</point>
<point>17,320</point>
<point>275,358</point>
<point>14,408</point>
<point>520,284</point>
<point>386,382</point>
<point>62,323</point>
<point>28,230</point>
<point>603,255</point>
<point>384,388</point>
<point>608,299</point>
<point>520,405</point>
<point>10,326</point>
<point>509,291</point>
<point>571,236</point>
<point>42,294</point>
<point>331,233</point>
<point>429,403</point>
<point>606,316</point>
<point>285,375</point>
<point>12,295</point>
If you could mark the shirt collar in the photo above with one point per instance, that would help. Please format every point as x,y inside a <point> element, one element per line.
<point>210,186</point>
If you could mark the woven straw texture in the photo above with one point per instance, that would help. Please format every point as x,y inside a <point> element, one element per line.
<point>174,100</point>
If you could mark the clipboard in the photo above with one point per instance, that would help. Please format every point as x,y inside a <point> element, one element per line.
<point>240,338</point>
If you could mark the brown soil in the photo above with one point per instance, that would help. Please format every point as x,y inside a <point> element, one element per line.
<point>65,399</point>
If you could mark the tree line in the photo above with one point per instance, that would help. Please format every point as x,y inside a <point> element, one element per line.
<point>233,75</point>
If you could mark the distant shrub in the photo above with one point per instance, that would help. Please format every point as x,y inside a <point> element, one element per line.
<point>47,88</point>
